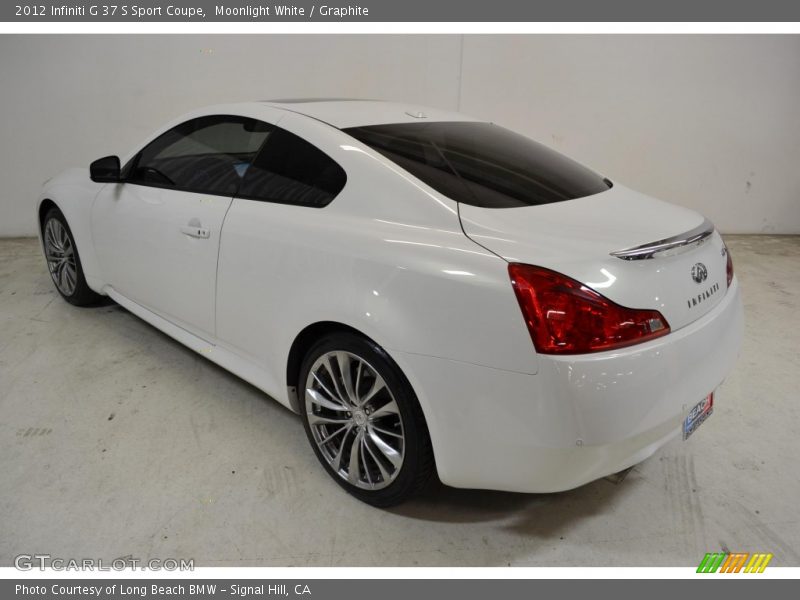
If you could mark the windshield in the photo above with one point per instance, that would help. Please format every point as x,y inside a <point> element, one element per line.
<point>482,164</point>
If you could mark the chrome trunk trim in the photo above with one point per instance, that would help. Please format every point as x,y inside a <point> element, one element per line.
<point>669,246</point>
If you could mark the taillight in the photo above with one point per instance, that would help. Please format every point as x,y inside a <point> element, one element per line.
<point>729,266</point>
<point>566,317</point>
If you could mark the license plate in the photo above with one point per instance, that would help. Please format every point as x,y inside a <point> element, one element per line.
<point>699,413</point>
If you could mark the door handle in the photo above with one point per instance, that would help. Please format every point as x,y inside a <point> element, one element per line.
<point>196,231</point>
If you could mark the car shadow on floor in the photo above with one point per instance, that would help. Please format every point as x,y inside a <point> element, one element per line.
<point>536,515</point>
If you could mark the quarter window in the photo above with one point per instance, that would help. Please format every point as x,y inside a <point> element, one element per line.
<point>290,170</point>
<point>209,155</point>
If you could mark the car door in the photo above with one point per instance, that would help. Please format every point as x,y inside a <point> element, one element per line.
<point>272,244</point>
<point>157,234</point>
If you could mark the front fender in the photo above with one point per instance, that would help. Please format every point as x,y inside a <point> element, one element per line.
<point>74,193</point>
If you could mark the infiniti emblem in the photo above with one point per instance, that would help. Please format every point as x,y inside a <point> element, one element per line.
<point>699,273</point>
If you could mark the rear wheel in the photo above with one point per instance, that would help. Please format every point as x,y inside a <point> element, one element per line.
<point>63,261</point>
<point>363,420</point>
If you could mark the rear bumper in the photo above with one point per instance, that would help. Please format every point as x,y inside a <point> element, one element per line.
<point>579,418</point>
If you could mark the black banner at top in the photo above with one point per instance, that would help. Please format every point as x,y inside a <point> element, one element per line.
<point>403,11</point>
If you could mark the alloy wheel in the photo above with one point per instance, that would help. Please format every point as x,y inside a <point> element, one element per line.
<point>354,420</point>
<point>60,255</point>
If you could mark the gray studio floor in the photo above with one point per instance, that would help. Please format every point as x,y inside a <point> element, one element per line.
<point>116,440</point>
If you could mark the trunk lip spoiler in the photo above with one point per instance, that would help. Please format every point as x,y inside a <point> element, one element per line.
<point>668,246</point>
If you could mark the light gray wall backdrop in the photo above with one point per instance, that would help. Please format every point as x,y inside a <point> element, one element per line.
<point>709,122</point>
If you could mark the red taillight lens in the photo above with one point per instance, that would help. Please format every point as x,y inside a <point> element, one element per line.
<point>729,266</point>
<point>566,317</point>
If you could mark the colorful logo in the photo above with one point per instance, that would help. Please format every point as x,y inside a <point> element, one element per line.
<point>734,562</point>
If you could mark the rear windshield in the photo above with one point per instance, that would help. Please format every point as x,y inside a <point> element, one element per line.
<point>482,164</point>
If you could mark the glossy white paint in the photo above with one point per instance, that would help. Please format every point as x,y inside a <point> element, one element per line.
<point>389,258</point>
<point>596,226</point>
<point>356,113</point>
<point>150,254</point>
<point>580,417</point>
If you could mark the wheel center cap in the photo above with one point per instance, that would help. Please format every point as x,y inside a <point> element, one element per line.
<point>359,418</point>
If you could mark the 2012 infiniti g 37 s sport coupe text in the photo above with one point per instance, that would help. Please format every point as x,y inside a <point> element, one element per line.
<point>428,291</point>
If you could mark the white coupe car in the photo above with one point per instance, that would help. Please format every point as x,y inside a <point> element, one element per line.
<point>429,292</point>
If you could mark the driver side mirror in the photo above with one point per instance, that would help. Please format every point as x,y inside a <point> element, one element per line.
<point>105,170</point>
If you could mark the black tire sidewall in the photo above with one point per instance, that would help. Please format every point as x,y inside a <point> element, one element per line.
<point>416,464</point>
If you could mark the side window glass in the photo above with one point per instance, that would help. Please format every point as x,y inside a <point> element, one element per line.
<point>290,170</point>
<point>209,155</point>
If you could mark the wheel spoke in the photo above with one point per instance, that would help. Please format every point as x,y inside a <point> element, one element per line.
<point>339,419</point>
<point>62,234</point>
<point>390,408</point>
<point>327,390</point>
<point>321,400</point>
<point>352,469</point>
<point>345,364</point>
<point>358,380</point>
<point>336,462</point>
<point>327,439</point>
<point>335,380</point>
<point>70,277</point>
<point>377,386</point>
<point>385,449</point>
<point>50,235</point>
<point>364,459</point>
<point>55,232</point>
<point>382,431</point>
<point>377,461</point>
<point>62,278</point>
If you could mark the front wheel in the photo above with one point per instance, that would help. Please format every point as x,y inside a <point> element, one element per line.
<point>63,261</point>
<point>363,420</point>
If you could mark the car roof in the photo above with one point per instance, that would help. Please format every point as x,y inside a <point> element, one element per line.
<point>353,112</point>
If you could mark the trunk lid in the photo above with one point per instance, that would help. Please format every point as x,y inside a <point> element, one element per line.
<point>577,238</point>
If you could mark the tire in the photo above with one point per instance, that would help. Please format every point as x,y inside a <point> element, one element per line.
<point>368,430</point>
<point>63,261</point>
